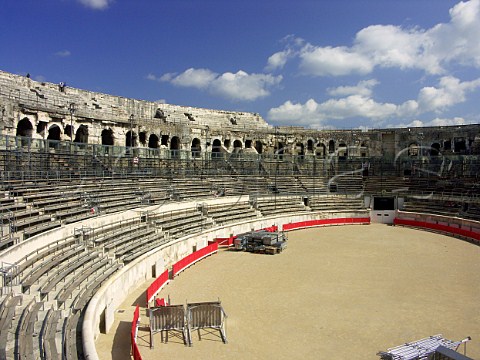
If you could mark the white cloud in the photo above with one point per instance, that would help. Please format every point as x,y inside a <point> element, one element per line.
<point>314,114</point>
<point>363,88</point>
<point>197,78</point>
<point>243,86</point>
<point>235,86</point>
<point>63,53</point>
<point>451,91</point>
<point>96,4</point>
<point>388,46</point>
<point>336,61</point>
<point>278,60</point>
<point>293,45</point>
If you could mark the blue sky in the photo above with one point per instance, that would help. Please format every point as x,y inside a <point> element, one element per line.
<point>312,63</point>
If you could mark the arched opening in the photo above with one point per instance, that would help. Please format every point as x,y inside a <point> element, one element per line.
<point>447,145</point>
<point>153,141</point>
<point>331,146</point>
<point>435,149</point>
<point>459,145</point>
<point>69,131</point>
<point>237,146</point>
<point>142,137</point>
<point>342,151</point>
<point>175,146</point>
<point>279,150</point>
<point>130,139</point>
<point>259,146</point>
<point>248,144</point>
<point>81,136</point>
<point>164,140</point>
<point>107,137</point>
<point>54,133</point>
<point>216,148</point>
<point>310,145</point>
<point>321,150</point>
<point>196,148</point>
<point>24,128</point>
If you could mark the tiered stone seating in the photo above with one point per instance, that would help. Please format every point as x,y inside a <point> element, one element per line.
<point>286,185</point>
<point>335,203</point>
<point>7,314</point>
<point>313,184</point>
<point>232,212</point>
<point>280,204</point>
<point>432,206</point>
<point>175,224</point>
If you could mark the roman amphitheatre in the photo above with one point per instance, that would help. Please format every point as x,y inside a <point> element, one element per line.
<point>102,196</point>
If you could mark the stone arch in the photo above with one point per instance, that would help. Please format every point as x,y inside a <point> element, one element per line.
<point>310,145</point>
<point>259,146</point>
<point>24,128</point>
<point>331,146</point>
<point>142,137</point>
<point>216,147</point>
<point>435,149</point>
<point>196,148</point>
<point>81,136</point>
<point>175,146</point>
<point>130,139</point>
<point>153,141</point>
<point>237,146</point>
<point>107,137</point>
<point>54,133</point>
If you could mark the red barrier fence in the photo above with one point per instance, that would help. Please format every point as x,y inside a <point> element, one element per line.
<point>439,227</point>
<point>188,260</point>
<point>325,222</point>
<point>224,241</point>
<point>157,285</point>
<point>133,334</point>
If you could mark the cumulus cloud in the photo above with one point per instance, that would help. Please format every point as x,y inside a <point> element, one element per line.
<point>363,88</point>
<point>358,103</point>
<point>451,91</point>
<point>63,53</point>
<point>335,61</point>
<point>388,46</point>
<point>240,86</point>
<point>96,4</point>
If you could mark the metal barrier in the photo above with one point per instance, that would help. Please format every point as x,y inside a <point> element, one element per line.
<point>165,319</point>
<point>206,315</point>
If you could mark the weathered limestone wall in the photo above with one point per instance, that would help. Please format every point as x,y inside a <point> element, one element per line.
<point>41,110</point>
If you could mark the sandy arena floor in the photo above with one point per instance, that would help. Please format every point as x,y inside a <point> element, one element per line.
<point>335,293</point>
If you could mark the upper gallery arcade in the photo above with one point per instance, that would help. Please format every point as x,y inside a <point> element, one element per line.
<point>56,112</point>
